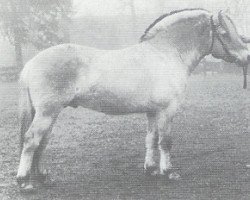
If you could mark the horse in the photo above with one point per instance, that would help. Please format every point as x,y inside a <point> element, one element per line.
<point>149,78</point>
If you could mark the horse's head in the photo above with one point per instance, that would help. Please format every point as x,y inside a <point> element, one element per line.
<point>227,43</point>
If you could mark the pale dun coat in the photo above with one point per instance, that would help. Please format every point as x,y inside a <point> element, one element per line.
<point>149,77</point>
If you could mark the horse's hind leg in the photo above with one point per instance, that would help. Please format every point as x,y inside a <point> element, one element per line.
<point>40,127</point>
<point>38,174</point>
<point>151,144</point>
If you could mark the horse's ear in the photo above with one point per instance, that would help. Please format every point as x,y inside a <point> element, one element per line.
<point>226,23</point>
<point>221,16</point>
<point>221,22</point>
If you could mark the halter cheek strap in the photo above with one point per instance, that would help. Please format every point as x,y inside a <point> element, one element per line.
<point>216,34</point>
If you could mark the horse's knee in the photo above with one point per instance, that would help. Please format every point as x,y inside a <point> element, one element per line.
<point>166,143</point>
<point>156,141</point>
<point>34,136</point>
<point>31,144</point>
<point>152,140</point>
<point>165,138</point>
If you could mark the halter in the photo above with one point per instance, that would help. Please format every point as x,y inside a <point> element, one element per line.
<point>217,35</point>
<point>213,34</point>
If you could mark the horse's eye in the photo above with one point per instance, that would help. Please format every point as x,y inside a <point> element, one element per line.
<point>224,33</point>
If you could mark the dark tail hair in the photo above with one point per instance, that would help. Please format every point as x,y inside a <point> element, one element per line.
<point>26,111</point>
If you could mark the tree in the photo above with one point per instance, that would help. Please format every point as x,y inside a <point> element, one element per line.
<point>33,21</point>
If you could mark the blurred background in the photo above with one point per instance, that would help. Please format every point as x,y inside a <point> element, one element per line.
<point>29,26</point>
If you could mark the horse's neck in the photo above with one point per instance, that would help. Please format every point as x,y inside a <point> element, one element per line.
<point>189,50</point>
<point>190,58</point>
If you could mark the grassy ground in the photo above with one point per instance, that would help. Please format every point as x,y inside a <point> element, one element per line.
<point>95,156</point>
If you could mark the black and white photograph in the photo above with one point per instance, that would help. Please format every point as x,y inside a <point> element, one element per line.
<point>124,100</point>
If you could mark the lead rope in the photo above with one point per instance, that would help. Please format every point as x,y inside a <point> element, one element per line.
<point>213,34</point>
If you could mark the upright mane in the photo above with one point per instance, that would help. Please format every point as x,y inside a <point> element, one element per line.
<point>144,37</point>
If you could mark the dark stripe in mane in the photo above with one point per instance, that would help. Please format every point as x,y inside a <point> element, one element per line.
<point>142,38</point>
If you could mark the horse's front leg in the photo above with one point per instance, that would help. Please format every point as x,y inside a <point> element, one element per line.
<point>165,139</point>
<point>151,144</point>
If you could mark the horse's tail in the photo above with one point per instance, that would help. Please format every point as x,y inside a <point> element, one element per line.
<point>26,109</point>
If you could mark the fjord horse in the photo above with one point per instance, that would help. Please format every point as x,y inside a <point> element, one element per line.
<point>149,77</point>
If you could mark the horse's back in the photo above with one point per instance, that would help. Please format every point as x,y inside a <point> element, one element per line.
<point>61,53</point>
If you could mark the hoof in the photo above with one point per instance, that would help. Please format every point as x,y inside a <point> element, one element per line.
<point>27,188</point>
<point>151,171</point>
<point>171,175</point>
<point>22,181</point>
<point>41,177</point>
<point>174,176</point>
<point>25,185</point>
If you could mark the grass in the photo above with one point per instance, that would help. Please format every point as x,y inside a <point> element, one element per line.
<point>96,156</point>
